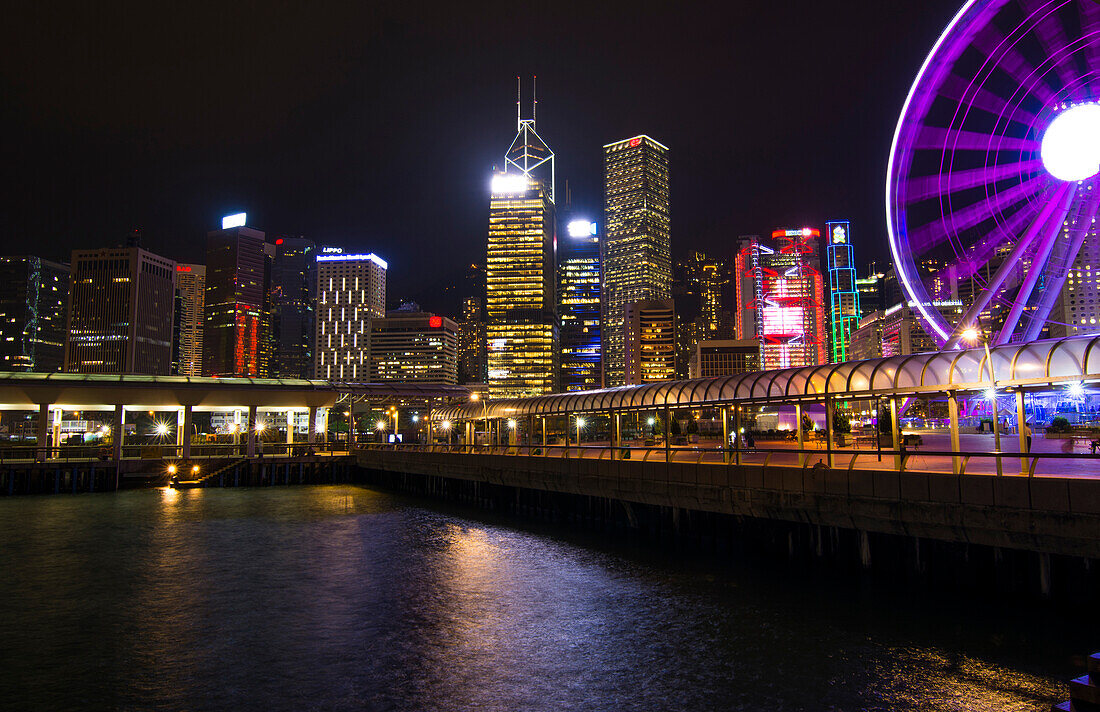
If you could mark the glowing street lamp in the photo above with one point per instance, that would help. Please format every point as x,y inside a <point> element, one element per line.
<point>161,429</point>
<point>260,426</point>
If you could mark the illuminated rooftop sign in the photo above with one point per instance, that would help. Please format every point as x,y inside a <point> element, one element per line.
<point>505,183</point>
<point>804,232</point>
<point>332,250</point>
<point>236,220</point>
<point>354,258</point>
<point>581,228</point>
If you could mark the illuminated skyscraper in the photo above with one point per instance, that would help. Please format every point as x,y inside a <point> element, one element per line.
<point>351,290</point>
<point>190,298</point>
<point>579,278</point>
<point>650,341</point>
<point>237,330</point>
<point>780,298</point>
<point>637,248</point>
<point>844,310</point>
<point>293,284</point>
<point>121,303</point>
<point>33,295</point>
<point>521,326</point>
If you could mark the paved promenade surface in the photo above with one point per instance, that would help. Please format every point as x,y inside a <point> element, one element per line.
<point>864,456</point>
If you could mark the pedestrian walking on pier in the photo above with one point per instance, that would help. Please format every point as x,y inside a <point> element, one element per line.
<point>1027,434</point>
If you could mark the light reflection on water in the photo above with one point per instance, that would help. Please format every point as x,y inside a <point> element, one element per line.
<point>334,598</point>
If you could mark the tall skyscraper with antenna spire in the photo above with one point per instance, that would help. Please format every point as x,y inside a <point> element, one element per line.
<point>521,328</point>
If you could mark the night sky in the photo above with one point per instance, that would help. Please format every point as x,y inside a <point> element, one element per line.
<point>376,128</point>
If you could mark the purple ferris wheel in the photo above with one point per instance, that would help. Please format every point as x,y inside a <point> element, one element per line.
<point>991,181</point>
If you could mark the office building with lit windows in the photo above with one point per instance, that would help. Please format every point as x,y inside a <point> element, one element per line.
<point>121,304</point>
<point>579,278</point>
<point>521,322</point>
<point>780,300</point>
<point>414,347</point>
<point>33,295</point>
<point>649,337</point>
<point>293,283</point>
<point>724,357</point>
<point>844,311</point>
<point>187,332</point>
<point>351,291</point>
<point>1077,308</point>
<point>472,356</point>
<point>637,259</point>
<point>236,338</point>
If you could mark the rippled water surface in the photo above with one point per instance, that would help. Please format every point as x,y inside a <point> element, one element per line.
<point>342,598</point>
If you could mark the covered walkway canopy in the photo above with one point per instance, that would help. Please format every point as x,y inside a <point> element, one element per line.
<point>1035,366</point>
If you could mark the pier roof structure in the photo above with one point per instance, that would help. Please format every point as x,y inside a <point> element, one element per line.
<point>1037,365</point>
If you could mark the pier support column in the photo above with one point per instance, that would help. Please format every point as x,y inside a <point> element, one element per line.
<point>185,442</point>
<point>737,439</point>
<point>544,435</point>
<point>895,432</point>
<point>953,419</point>
<point>668,434</point>
<point>802,458</point>
<point>179,432</point>
<point>724,411</point>
<point>311,434</point>
<point>56,421</point>
<point>289,429</point>
<point>830,430</point>
<point>237,431</point>
<point>251,435</point>
<point>1021,423</point>
<point>42,427</point>
<point>616,429</point>
<point>118,432</point>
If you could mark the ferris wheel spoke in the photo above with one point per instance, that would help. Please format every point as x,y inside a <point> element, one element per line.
<point>992,43</point>
<point>1056,277</point>
<point>1090,30</point>
<point>956,89</point>
<point>920,189</point>
<point>935,233</point>
<point>1006,233</point>
<point>1011,265</point>
<point>1052,36</point>
<point>940,139</point>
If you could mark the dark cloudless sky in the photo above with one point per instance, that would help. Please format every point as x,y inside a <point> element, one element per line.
<point>375,127</point>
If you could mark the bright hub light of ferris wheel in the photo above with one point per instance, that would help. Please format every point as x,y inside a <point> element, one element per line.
<point>1071,144</point>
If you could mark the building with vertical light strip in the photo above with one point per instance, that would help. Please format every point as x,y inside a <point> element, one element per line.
<point>190,298</point>
<point>579,278</point>
<point>121,304</point>
<point>521,327</point>
<point>351,290</point>
<point>844,312</point>
<point>780,298</point>
<point>33,296</point>
<point>236,339</point>
<point>637,259</point>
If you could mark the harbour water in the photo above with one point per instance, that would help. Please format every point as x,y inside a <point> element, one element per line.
<point>344,598</point>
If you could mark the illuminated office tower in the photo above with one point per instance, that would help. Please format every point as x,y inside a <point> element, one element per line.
<point>33,295</point>
<point>650,341</point>
<point>187,332</point>
<point>579,278</point>
<point>521,324</point>
<point>472,358</point>
<point>351,290</point>
<point>1077,309</point>
<point>236,338</point>
<point>121,303</point>
<point>780,298</point>
<point>414,347</point>
<point>844,313</point>
<point>637,259</point>
<point>293,283</point>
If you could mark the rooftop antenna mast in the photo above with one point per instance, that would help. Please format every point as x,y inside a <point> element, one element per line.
<point>534,98</point>
<point>528,151</point>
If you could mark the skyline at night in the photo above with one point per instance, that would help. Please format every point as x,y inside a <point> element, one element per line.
<point>379,131</point>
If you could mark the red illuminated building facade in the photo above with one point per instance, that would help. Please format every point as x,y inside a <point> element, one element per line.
<point>236,315</point>
<point>780,297</point>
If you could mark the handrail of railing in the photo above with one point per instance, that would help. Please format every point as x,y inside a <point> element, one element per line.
<point>157,451</point>
<point>907,456</point>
